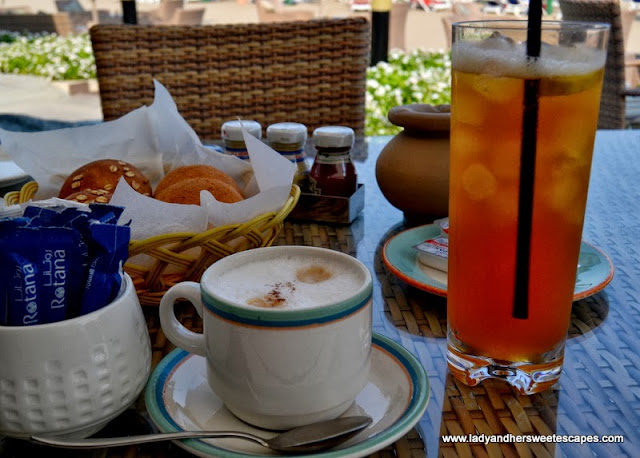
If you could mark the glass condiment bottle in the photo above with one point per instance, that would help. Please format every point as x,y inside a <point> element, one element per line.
<point>333,173</point>
<point>289,138</point>
<point>233,140</point>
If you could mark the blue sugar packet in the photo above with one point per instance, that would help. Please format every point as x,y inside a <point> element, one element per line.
<point>10,274</point>
<point>60,263</point>
<point>47,266</point>
<point>72,216</point>
<point>8,224</point>
<point>109,249</point>
<point>108,245</point>
<point>63,217</point>
<point>58,247</point>
<point>38,216</point>
<point>22,291</point>
<point>64,259</point>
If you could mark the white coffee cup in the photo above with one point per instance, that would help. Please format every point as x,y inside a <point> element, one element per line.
<point>303,360</point>
<point>70,378</point>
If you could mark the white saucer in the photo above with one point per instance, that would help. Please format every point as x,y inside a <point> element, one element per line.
<point>10,173</point>
<point>178,398</point>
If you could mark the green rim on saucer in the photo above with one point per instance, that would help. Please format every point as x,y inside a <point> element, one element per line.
<point>595,270</point>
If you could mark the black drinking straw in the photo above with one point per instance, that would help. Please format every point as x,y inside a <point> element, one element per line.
<point>527,167</point>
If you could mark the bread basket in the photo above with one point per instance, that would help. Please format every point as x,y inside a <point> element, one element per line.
<point>174,258</point>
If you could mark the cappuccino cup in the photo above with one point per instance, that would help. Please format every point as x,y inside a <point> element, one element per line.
<point>286,332</point>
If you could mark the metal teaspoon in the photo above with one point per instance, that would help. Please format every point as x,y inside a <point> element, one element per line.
<point>309,438</point>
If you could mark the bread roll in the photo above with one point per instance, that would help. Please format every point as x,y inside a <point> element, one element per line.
<point>87,196</point>
<point>195,171</point>
<point>188,191</point>
<point>104,174</point>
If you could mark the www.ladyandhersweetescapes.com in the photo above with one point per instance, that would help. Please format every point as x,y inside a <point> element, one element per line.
<point>487,439</point>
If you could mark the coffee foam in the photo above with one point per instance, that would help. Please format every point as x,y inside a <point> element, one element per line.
<point>289,282</point>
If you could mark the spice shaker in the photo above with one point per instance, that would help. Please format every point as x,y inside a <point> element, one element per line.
<point>288,139</point>
<point>233,140</point>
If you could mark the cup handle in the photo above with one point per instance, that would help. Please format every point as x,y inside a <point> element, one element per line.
<point>180,336</point>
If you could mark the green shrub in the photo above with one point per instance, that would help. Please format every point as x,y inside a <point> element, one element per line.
<point>48,55</point>
<point>413,77</point>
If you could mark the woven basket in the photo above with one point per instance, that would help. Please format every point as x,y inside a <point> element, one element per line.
<point>184,256</point>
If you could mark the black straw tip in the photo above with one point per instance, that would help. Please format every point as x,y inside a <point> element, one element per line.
<point>534,28</point>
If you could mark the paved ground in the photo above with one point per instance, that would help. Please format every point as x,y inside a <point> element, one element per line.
<point>38,97</point>
<point>33,96</point>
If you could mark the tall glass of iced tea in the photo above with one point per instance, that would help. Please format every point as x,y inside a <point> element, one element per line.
<point>512,266</point>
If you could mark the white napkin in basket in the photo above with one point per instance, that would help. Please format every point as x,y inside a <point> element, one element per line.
<point>156,139</point>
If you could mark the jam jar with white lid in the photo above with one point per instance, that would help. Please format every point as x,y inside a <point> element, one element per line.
<point>289,138</point>
<point>333,172</point>
<point>233,140</point>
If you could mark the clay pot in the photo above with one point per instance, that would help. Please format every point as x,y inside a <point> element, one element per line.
<point>413,168</point>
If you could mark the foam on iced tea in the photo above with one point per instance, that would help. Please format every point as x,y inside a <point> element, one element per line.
<point>499,56</point>
<point>290,282</point>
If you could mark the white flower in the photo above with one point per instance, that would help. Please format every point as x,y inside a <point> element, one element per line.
<point>372,83</point>
<point>425,76</point>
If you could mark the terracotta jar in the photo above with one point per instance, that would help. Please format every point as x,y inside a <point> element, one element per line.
<point>413,168</point>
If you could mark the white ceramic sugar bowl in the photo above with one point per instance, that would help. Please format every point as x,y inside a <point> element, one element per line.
<point>72,377</point>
